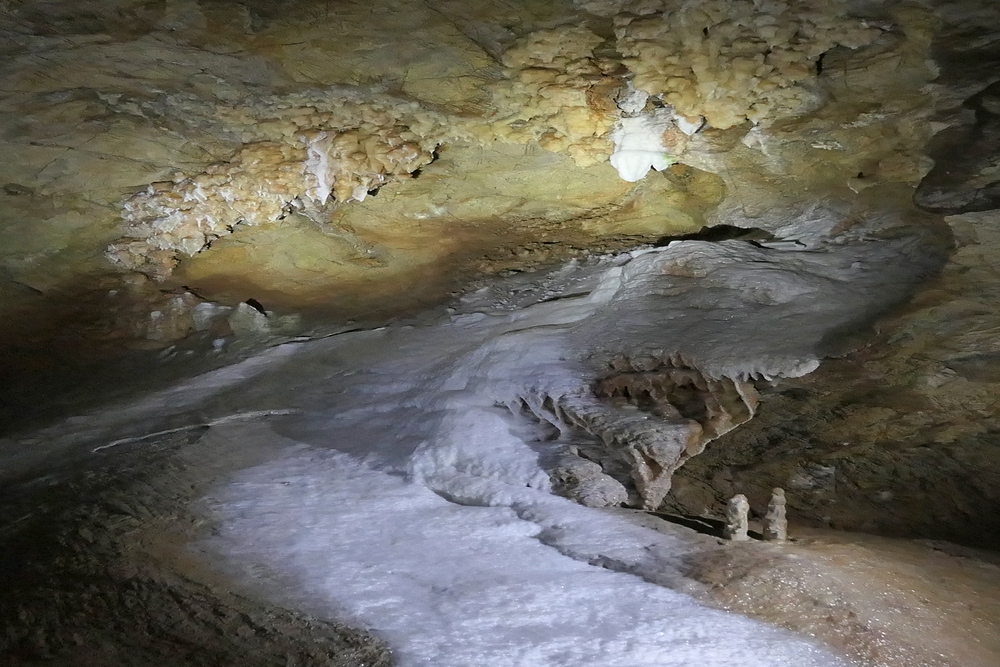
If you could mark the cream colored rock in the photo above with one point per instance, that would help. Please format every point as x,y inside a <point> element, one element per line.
<point>639,145</point>
<point>775,523</point>
<point>557,93</point>
<point>295,157</point>
<point>585,482</point>
<point>737,520</point>
<point>247,321</point>
<point>732,62</point>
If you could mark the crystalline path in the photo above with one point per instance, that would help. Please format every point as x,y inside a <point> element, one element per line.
<point>407,490</point>
<point>452,585</point>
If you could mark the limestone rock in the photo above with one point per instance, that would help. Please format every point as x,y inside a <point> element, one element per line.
<point>775,523</point>
<point>585,482</point>
<point>862,438</point>
<point>737,519</point>
<point>237,149</point>
<point>557,93</point>
<point>245,320</point>
<point>299,153</point>
<point>966,173</point>
<point>679,412</point>
<point>732,61</point>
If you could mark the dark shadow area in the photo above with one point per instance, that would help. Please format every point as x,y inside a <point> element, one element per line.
<point>965,158</point>
<point>704,525</point>
<point>719,233</point>
<point>701,524</point>
<point>94,574</point>
<point>40,386</point>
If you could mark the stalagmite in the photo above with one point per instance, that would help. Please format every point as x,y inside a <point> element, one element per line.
<point>736,519</point>
<point>775,523</point>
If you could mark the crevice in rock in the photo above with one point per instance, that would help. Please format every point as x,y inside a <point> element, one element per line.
<point>717,233</point>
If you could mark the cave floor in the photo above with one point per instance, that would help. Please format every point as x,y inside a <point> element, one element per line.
<point>102,567</point>
<point>119,538</point>
<point>105,563</point>
<point>882,601</point>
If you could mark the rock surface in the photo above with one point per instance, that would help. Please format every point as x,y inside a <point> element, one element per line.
<point>896,438</point>
<point>884,602</point>
<point>95,572</point>
<point>326,162</point>
<point>168,163</point>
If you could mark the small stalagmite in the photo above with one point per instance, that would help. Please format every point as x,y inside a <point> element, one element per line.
<point>775,523</point>
<point>737,521</point>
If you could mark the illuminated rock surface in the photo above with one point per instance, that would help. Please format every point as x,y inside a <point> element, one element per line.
<point>276,273</point>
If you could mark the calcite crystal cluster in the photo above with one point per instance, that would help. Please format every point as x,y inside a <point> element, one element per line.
<point>629,83</point>
<point>731,61</point>
<point>300,153</point>
<point>558,93</point>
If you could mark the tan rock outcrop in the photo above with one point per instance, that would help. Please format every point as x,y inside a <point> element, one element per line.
<point>558,94</point>
<point>295,157</point>
<point>652,421</point>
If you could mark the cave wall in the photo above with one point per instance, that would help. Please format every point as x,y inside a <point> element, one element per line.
<point>899,437</point>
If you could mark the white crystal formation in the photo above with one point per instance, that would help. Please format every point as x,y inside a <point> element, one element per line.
<point>639,144</point>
